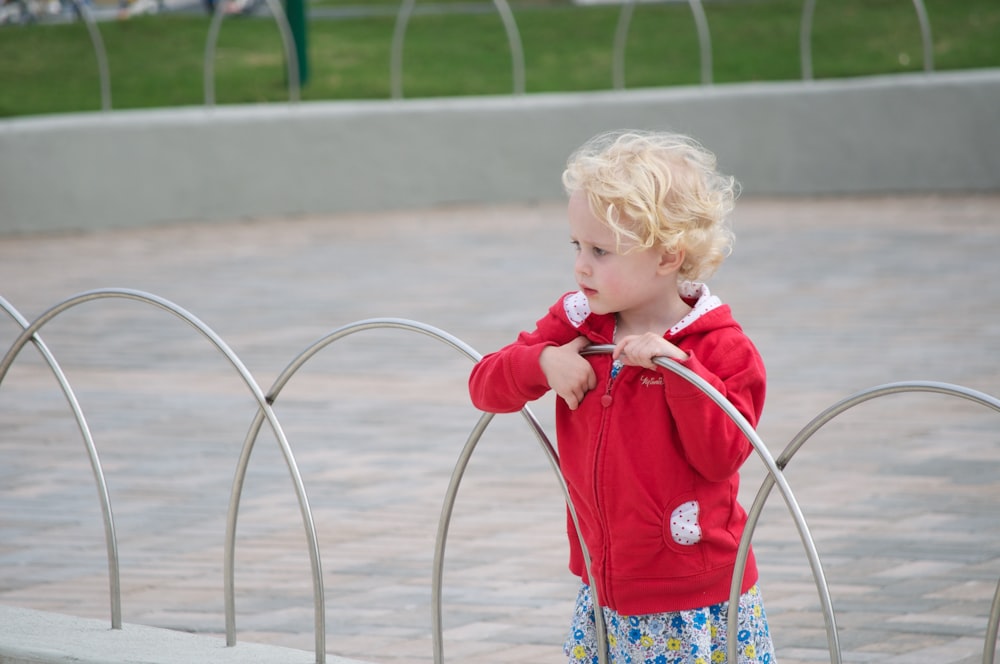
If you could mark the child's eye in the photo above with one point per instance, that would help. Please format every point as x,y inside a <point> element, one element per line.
<point>576,245</point>
<point>599,252</point>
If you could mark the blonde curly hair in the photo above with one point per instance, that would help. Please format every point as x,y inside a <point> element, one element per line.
<point>658,189</point>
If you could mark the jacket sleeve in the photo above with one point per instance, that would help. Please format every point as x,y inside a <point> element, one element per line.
<point>505,380</point>
<point>714,445</point>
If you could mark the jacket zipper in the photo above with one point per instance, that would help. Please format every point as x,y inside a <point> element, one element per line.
<point>606,401</point>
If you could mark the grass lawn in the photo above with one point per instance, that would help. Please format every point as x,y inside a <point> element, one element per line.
<point>158,60</point>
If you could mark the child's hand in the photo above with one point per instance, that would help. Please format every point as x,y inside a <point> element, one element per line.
<point>639,350</point>
<point>567,372</point>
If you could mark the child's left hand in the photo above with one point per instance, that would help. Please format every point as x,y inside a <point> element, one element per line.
<point>639,350</point>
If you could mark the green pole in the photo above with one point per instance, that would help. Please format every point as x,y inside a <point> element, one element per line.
<point>295,10</point>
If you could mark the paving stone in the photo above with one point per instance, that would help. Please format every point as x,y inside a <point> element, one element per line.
<point>840,294</point>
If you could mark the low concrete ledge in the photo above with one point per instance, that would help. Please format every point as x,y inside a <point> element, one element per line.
<point>39,637</point>
<point>879,135</point>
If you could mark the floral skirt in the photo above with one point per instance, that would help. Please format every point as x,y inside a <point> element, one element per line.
<point>697,636</point>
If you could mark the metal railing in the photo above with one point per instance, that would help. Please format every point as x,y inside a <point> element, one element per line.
<point>287,44</point>
<point>775,476</point>
<point>399,39</point>
<point>30,334</point>
<point>101,53</point>
<point>82,9</point>
<point>774,466</point>
<point>406,11</point>
<point>805,37</point>
<point>110,537</point>
<point>842,406</point>
<point>621,40</point>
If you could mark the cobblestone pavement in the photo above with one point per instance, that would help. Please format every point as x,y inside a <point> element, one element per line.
<point>902,493</point>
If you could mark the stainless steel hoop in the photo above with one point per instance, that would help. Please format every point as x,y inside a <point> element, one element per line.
<point>450,496</point>
<point>775,467</point>
<point>110,536</point>
<point>621,39</point>
<point>774,472</point>
<point>805,37</point>
<point>264,407</point>
<point>287,42</point>
<point>248,445</point>
<point>399,37</point>
<point>989,647</point>
<point>83,9</point>
<point>446,511</point>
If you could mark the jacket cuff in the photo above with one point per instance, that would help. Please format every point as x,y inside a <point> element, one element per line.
<point>526,369</point>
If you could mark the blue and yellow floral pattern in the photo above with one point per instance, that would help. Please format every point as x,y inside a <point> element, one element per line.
<point>697,636</point>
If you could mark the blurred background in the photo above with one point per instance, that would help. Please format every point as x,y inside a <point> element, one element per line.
<point>157,51</point>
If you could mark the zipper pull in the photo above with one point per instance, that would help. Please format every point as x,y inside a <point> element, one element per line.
<point>616,367</point>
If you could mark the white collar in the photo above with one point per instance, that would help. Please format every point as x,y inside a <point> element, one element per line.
<point>694,290</point>
<point>577,307</point>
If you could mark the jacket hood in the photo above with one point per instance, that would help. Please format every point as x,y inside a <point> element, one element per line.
<point>707,313</point>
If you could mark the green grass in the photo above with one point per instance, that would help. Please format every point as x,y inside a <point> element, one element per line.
<point>158,60</point>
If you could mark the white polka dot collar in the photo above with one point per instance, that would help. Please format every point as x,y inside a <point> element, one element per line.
<point>577,307</point>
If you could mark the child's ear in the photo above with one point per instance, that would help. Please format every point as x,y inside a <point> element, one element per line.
<point>670,261</point>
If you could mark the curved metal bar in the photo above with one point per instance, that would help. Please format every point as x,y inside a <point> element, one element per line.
<point>250,440</point>
<point>110,536</point>
<point>925,35</point>
<point>704,40</point>
<point>208,66</point>
<point>262,402</point>
<point>444,522</point>
<point>291,53</point>
<point>621,39</point>
<point>774,472</point>
<point>229,555</point>
<point>457,474</point>
<point>360,326</point>
<point>102,55</point>
<point>514,41</point>
<point>287,42</point>
<point>553,459</point>
<point>396,55</point>
<point>399,37</point>
<point>990,644</point>
<point>833,411</point>
<point>448,507</point>
<point>805,37</point>
<point>819,576</point>
<point>879,391</point>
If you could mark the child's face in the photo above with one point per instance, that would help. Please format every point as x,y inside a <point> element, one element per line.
<point>613,278</point>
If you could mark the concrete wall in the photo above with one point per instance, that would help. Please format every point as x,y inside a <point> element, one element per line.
<point>887,134</point>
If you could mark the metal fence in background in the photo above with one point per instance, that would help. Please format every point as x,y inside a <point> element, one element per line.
<point>405,13</point>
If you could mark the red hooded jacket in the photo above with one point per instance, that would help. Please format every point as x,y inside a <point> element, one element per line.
<point>653,470</point>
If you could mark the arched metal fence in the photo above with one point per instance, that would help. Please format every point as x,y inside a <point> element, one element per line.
<point>805,37</point>
<point>407,8</point>
<point>399,39</point>
<point>287,44</point>
<point>774,466</point>
<point>621,41</point>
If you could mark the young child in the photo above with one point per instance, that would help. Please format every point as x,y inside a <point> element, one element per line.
<point>651,462</point>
